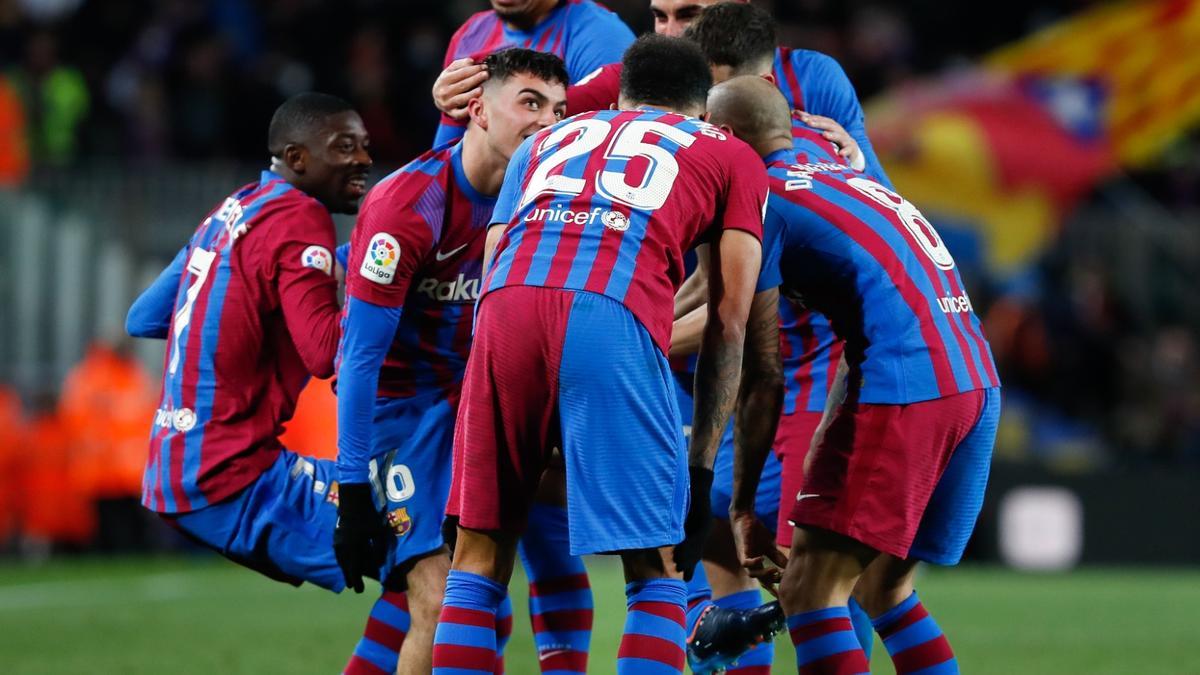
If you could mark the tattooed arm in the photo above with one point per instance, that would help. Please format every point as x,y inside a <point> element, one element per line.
<point>733,273</point>
<point>760,399</point>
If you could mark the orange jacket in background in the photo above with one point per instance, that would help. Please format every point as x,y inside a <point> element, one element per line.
<point>53,507</point>
<point>12,460</point>
<point>313,429</point>
<point>107,405</point>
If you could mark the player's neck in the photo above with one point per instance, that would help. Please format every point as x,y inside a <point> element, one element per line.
<point>768,146</point>
<point>535,16</point>
<point>483,168</point>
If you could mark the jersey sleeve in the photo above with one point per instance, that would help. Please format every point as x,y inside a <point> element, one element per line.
<point>510,191</point>
<point>832,95</point>
<point>745,198</point>
<point>303,274</point>
<point>598,90</point>
<point>369,330</point>
<point>600,38</point>
<point>387,247</point>
<point>450,130</point>
<point>150,314</point>
<point>769,275</point>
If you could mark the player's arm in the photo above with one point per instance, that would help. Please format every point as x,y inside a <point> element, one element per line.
<point>733,274</point>
<point>150,315</point>
<point>835,98</point>
<point>598,90</point>
<point>451,84</point>
<point>694,290</point>
<point>307,290</point>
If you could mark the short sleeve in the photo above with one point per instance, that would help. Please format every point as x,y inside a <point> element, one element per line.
<point>599,38</point>
<point>746,197</point>
<point>769,275</point>
<point>389,243</point>
<point>514,176</point>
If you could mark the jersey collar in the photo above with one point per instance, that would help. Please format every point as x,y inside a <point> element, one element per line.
<point>785,155</point>
<point>460,178</point>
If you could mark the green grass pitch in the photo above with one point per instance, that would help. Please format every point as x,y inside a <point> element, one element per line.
<point>204,615</point>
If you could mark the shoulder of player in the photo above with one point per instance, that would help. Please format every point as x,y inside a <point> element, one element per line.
<point>580,10</point>
<point>403,187</point>
<point>294,208</point>
<point>482,20</point>
<point>809,58</point>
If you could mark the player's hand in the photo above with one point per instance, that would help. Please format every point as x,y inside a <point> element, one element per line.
<point>359,531</point>
<point>834,133</point>
<point>697,525</point>
<point>460,82</point>
<point>755,545</point>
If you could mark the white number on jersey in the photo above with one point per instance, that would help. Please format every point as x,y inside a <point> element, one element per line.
<point>629,142</point>
<point>199,264</point>
<point>920,228</point>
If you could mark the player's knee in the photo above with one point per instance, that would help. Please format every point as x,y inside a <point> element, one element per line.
<point>884,584</point>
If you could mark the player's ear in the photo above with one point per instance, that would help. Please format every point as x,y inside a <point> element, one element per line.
<point>769,77</point>
<point>477,112</point>
<point>295,156</point>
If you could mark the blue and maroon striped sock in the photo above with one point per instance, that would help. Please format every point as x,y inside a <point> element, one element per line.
<point>654,639</point>
<point>864,628</point>
<point>465,640</point>
<point>699,597</point>
<point>504,625</point>
<point>758,660</point>
<point>826,644</point>
<point>560,597</point>
<point>914,641</point>
<point>379,648</point>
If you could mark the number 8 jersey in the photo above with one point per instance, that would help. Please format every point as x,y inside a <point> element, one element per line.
<point>869,261</point>
<point>610,201</point>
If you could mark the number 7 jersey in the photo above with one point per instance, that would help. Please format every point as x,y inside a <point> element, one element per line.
<point>609,202</point>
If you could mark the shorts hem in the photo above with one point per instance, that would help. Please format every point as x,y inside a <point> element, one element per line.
<point>890,547</point>
<point>626,545</point>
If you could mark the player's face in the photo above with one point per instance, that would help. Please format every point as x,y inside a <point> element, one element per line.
<point>338,163</point>
<point>672,17</point>
<point>522,106</point>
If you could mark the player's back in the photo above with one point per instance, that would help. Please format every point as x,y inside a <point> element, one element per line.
<point>610,201</point>
<point>233,370</point>
<point>867,259</point>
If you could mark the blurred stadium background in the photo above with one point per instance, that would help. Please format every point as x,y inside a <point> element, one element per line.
<point>1054,143</point>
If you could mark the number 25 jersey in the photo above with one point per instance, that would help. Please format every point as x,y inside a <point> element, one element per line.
<point>609,202</point>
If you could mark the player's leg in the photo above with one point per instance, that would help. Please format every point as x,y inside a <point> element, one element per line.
<point>627,485</point>
<point>504,627</point>
<point>410,481</point>
<point>822,571</point>
<point>507,424</point>
<point>792,443</point>
<point>911,636</point>
<point>560,597</point>
<point>378,650</point>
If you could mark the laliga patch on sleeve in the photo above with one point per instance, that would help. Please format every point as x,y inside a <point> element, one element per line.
<point>318,258</point>
<point>379,264</point>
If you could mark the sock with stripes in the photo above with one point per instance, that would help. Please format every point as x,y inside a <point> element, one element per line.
<point>864,629</point>
<point>560,597</point>
<point>379,648</point>
<point>914,641</point>
<point>826,644</point>
<point>758,660</point>
<point>654,639</point>
<point>503,631</point>
<point>699,597</point>
<point>465,640</point>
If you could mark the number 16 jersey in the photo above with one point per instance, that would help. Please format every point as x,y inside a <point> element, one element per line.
<point>609,202</point>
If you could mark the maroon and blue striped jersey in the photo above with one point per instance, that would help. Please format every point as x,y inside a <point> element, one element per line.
<point>810,352</point>
<point>255,314</point>
<point>610,201</point>
<point>418,245</point>
<point>582,33</point>
<point>868,260</point>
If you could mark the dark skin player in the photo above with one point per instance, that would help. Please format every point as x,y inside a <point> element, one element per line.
<point>327,161</point>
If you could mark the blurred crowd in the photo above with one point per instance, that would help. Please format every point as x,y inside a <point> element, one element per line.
<point>1097,341</point>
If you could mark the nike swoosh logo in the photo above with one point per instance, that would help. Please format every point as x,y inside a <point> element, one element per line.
<point>800,497</point>
<point>442,256</point>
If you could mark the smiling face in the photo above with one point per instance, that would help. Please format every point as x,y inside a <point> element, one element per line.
<point>517,108</point>
<point>336,163</point>
<point>672,17</point>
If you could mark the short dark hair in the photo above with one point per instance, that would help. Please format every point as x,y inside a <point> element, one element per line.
<point>504,64</point>
<point>299,116</point>
<point>665,71</point>
<point>733,34</point>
